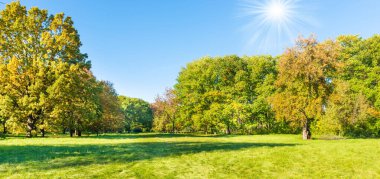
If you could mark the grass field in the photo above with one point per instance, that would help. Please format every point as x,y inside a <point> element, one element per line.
<point>189,156</point>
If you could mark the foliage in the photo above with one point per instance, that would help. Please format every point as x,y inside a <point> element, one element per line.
<point>138,114</point>
<point>74,98</point>
<point>344,112</point>
<point>263,73</point>
<point>165,109</point>
<point>112,118</point>
<point>226,94</point>
<point>45,81</point>
<point>361,73</point>
<point>305,81</point>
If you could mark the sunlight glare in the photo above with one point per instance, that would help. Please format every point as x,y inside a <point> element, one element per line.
<point>272,24</point>
<point>276,11</point>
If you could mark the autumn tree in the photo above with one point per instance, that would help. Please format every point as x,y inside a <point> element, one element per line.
<point>165,109</point>
<point>112,116</point>
<point>305,81</point>
<point>29,42</point>
<point>5,111</point>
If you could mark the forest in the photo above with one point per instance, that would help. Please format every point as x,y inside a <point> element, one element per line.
<point>328,87</point>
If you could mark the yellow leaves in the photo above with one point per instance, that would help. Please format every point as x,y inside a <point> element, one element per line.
<point>57,22</point>
<point>304,81</point>
<point>30,35</point>
<point>373,112</point>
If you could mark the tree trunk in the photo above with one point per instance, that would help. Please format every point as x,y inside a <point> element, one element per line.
<point>71,133</point>
<point>30,127</point>
<point>43,132</point>
<point>4,128</point>
<point>79,133</point>
<point>228,130</point>
<point>173,127</point>
<point>306,134</point>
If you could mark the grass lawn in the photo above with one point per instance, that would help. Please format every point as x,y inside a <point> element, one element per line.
<point>188,156</point>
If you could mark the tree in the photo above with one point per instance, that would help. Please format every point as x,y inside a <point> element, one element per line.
<point>112,117</point>
<point>210,87</point>
<point>165,109</point>
<point>138,114</point>
<point>347,112</point>
<point>30,41</point>
<point>305,81</point>
<point>26,87</point>
<point>5,112</point>
<point>361,73</point>
<point>74,98</point>
<point>263,73</point>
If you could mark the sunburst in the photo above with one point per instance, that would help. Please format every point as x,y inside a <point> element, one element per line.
<point>272,24</point>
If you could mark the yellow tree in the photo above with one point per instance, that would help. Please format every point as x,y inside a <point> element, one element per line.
<point>305,81</point>
<point>30,40</point>
<point>25,87</point>
<point>165,109</point>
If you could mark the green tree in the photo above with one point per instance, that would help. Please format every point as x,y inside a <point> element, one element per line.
<point>74,98</point>
<point>210,87</point>
<point>138,114</point>
<point>263,73</point>
<point>361,72</point>
<point>305,81</point>
<point>347,112</point>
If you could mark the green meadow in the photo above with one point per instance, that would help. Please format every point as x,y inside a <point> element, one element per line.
<point>188,156</point>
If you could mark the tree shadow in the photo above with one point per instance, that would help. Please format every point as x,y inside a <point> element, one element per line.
<point>46,157</point>
<point>153,135</point>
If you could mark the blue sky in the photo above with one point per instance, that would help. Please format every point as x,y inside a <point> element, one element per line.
<point>141,45</point>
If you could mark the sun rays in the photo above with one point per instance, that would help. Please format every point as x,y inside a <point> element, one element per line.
<point>271,24</point>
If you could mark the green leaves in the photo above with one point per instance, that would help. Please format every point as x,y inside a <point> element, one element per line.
<point>138,114</point>
<point>217,94</point>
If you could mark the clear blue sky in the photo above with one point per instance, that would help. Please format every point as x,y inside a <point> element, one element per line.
<point>141,45</point>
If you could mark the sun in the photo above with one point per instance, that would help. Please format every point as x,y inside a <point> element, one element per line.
<point>276,11</point>
<point>272,24</point>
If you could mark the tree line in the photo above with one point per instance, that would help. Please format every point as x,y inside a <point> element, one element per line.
<point>330,87</point>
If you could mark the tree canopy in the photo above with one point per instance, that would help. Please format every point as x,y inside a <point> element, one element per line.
<point>138,114</point>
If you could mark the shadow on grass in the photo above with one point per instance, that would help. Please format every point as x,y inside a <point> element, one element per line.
<point>152,135</point>
<point>128,136</point>
<point>55,157</point>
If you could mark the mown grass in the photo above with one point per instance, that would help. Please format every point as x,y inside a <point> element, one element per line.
<point>188,156</point>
